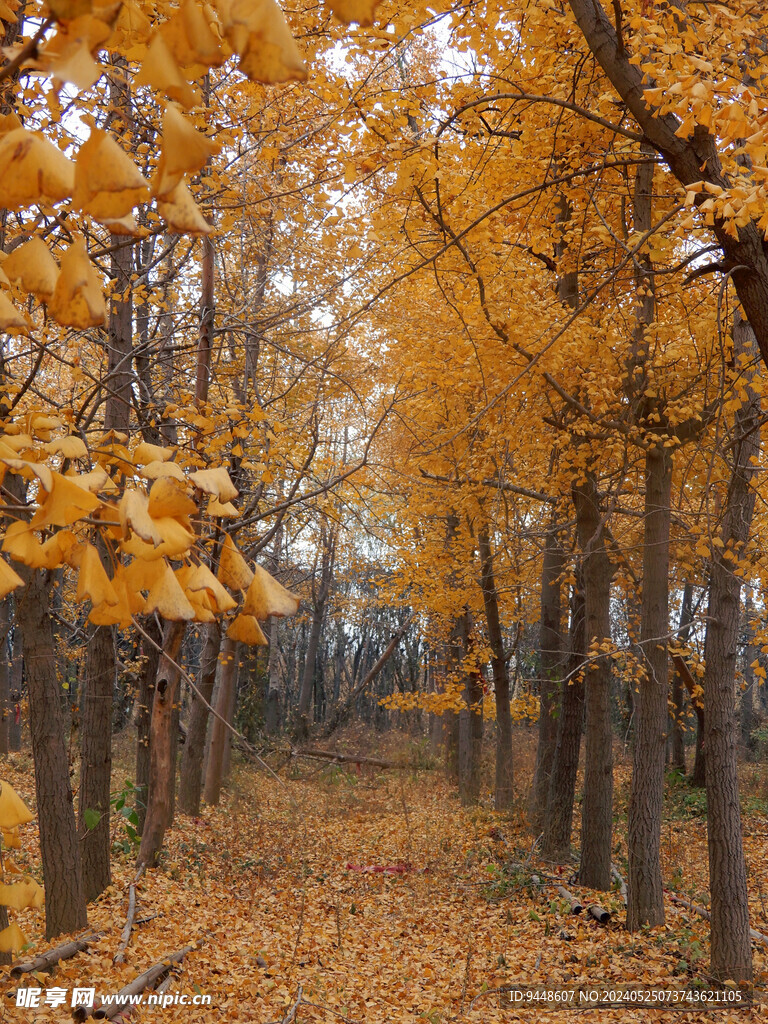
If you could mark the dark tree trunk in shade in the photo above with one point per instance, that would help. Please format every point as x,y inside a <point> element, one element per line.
<point>731,950</point>
<point>162,746</point>
<point>17,682</point>
<point>272,699</point>
<point>558,822</point>
<point>470,720</point>
<point>597,805</point>
<point>551,669</point>
<point>645,904</point>
<point>224,701</point>
<point>191,774</point>
<point>151,655</point>
<point>96,760</point>
<point>504,788</point>
<point>678,686</point>
<point>65,908</point>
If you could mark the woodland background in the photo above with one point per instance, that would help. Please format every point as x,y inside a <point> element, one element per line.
<point>450,322</point>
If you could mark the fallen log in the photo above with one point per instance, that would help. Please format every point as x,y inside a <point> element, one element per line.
<point>45,961</point>
<point>703,912</point>
<point>622,884</point>
<point>333,755</point>
<point>576,905</point>
<point>125,937</point>
<point>599,913</point>
<point>148,979</point>
<point>123,1016</point>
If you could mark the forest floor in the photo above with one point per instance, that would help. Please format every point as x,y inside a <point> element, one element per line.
<point>282,887</point>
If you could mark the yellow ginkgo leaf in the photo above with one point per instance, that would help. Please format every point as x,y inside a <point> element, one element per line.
<point>267,597</point>
<point>167,598</point>
<point>181,212</point>
<point>191,39</point>
<point>133,509</point>
<point>71,447</point>
<point>361,11</point>
<point>258,32</point>
<point>21,543</point>
<point>61,549</point>
<point>9,580</point>
<point>13,810</point>
<point>155,470</point>
<point>215,481</point>
<point>222,508</point>
<point>32,265</point>
<point>176,536</point>
<point>93,582</point>
<point>72,63</point>
<point>126,226</point>
<point>247,630</point>
<point>160,71</point>
<point>168,497</point>
<point>78,299</point>
<point>96,480</point>
<point>30,469</point>
<point>130,601</point>
<point>233,570</point>
<point>131,28</point>
<point>201,578</point>
<point>185,151</point>
<point>11,838</point>
<point>21,895</point>
<point>201,600</point>
<point>145,452</point>
<point>65,503</point>
<point>68,10</point>
<point>12,939</point>
<point>108,184</point>
<point>11,320</point>
<point>33,170</point>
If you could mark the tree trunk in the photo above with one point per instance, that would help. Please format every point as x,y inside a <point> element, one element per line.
<point>144,700</point>
<point>65,909</point>
<point>645,904</point>
<point>96,760</point>
<point>17,683</point>
<point>272,701</point>
<point>162,747</point>
<point>551,670</point>
<point>504,788</point>
<point>678,686</point>
<point>191,775</point>
<point>731,955</point>
<point>748,692</point>
<point>227,677</point>
<point>558,822</point>
<point>470,720</point>
<point>6,708</point>
<point>597,805</point>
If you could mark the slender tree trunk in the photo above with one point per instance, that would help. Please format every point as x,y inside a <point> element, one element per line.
<point>597,805</point>
<point>748,691</point>
<point>144,701</point>
<point>5,678</point>
<point>191,780</point>
<point>558,822</point>
<point>272,701</point>
<point>470,720</point>
<point>731,955</point>
<point>227,678</point>
<point>645,904</point>
<point>96,760</point>
<point>504,789</point>
<point>678,686</point>
<point>162,747</point>
<point>17,682</point>
<point>65,909</point>
<point>550,661</point>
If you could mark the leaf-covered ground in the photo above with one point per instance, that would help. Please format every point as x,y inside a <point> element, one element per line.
<point>282,888</point>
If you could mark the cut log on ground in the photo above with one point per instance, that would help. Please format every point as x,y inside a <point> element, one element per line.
<point>45,961</point>
<point>599,913</point>
<point>144,981</point>
<point>576,905</point>
<point>703,912</point>
<point>125,938</point>
<point>333,755</point>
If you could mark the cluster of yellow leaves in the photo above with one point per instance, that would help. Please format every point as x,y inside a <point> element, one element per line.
<point>524,707</point>
<point>151,524</point>
<point>21,893</point>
